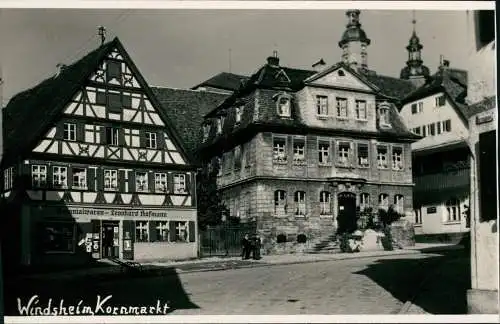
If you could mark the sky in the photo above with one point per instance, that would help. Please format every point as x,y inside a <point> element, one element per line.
<point>180,48</point>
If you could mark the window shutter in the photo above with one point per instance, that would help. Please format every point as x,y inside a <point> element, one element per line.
<point>192,232</point>
<point>100,179</point>
<point>188,182</point>
<point>80,132</point>
<point>69,175</point>
<point>91,174</point>
<point>103,134</point>
<point>121,137</point>
<point>131,181</point>
<point>152,231</point>
<point>171,230</point>
<point>121,180</point>
<point>160,141</point>
<point>142,138</point>
<point>59,131</point>
<point>151,181</point>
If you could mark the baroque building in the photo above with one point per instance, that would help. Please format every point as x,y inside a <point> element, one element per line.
<point>298,149</point>
<point>93,168</point>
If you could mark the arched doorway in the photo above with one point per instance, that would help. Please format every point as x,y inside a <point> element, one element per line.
<point>346,215</point>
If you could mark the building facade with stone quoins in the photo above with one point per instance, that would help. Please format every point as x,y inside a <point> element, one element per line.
<point>297,148</point>
<point>94,169</point>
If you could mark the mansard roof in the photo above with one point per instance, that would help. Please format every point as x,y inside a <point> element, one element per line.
<point>32,112</point>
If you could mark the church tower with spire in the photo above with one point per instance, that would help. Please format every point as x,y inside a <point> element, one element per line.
<point>354,42</point>
<point>415,70</point>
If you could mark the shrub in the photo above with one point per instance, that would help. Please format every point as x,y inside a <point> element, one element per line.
<point>387,239</point>
<point>281,238</point>
<point>387,217</point>
<point>301,238</point>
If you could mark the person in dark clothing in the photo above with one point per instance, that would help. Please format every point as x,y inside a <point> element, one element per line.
<point>245,243</point>
<point>256,247</point>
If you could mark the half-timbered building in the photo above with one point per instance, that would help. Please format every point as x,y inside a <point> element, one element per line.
<point>93,168</point>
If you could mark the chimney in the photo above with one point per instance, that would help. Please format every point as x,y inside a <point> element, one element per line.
<point>319,66</point>
<point>60,68</point>
<point>273,60</point>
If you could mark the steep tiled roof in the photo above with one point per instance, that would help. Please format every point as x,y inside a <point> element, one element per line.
<point>483,105</point>
<point>391,87</point>
<point>224,80</point>
<point>186,109</point>
<point>34,108</point>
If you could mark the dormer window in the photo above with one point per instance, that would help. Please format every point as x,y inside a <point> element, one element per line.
<point>220,124</point>
<point>206,131</point>
<point>383,113</point>
<point>239,111</point>
<point>283,105</point>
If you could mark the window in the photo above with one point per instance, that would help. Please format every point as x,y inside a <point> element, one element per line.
<point>453,210</point>
<point>324,153</point>
<point>418,215</point>
<point>69,132</point>
<point>414,108</point>
<point>416,130</point>
<point>438,128</point>
<point>206,131</point>
<point>382,157</point>
<point>162,231</point>
<point>141,231</point>
<point>361,109</point>
<point>341,108</point>
<point>220,124</point>
<point>79,178</point>
<point>100,98</point>
<point>431,210</point>
<point>38,176</point>
<point>151,140</point>
<point>432,129</point>
<point>447,125</point>
<point>114,104</point>
<point>110,180</point>
<point>440,101</point>
<point>58,237</point>
<point>383,201</point>
<point>92,134</point>
<point>237,157</point>
<point>322,105</point>
<point>181,232</point>
<point>399,203</point>
<point>424,131</point>
<point>486,27</point>
<point>112,136</point>
<point>384,116</point>
<point>343,153</point>
<point>420,107</point>
<point>132,137</point>
<point>279,150</point>
<point>161,182</point>
<point>298,152</point>
<point>300,202</point>
<point>8,178</point>
<point>363,160</point>
<point>397,158</point>
<point>364,201</point>
<point>180,183</point>
<point>60,177</point>
<point>283,106</point>
<point>113,70</point>
<point>324,203</point>
<point>238,112</point>
<point>280,203</point>
<point>141,181</point>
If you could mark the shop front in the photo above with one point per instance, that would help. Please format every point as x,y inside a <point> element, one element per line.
<point>79,234</point>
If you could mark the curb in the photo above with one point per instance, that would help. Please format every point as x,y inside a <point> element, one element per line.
<point>120,273</point>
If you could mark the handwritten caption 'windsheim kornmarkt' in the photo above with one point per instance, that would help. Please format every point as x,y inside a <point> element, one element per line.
<point>34,307</point>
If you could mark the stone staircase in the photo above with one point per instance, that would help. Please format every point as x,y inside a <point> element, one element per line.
<point>327,244</point>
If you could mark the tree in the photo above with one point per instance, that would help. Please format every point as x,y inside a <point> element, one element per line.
<point>211,209</point>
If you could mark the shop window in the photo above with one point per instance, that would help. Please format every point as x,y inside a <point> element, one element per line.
<point>161,231</point>
<point>453,210</point>
<point>58,237</point>
<point>324,202</point>
<point>110,180</point>
<point>280,203</point>
<point>363,158</point>
<point>142,231</point>
<point>79,178</point>
<point>181,232</point>
<point>151,140</point>
<point>69,132</point>
<point>397,158</point>
<point>38,176</point>
<point>60,177</point>
<point>160,182</point>
<point>300,202</point>
<point>141,181</point>
<point>180,183</point>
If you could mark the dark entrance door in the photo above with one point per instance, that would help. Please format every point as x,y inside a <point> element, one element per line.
<point>110,239</point>
<point>346,216</point>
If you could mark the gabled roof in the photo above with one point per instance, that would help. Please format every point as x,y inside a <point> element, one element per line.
<point>36,109</point>
<point>186,109</point>
<point>483,105</point>
<point>224,80</point>
<point>389,86</point>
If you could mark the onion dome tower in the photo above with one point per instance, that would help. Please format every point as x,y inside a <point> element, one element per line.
<point>354,42</point>
<point>415,70</point>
